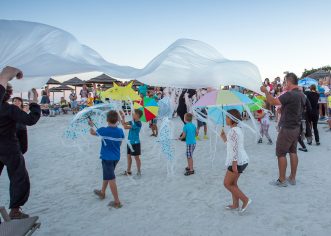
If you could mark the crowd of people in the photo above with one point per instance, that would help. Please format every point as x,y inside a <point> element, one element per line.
<point>296,111</point>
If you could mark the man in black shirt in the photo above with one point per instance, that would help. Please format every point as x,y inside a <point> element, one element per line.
<point>10,151</point>
<point>292,106</point>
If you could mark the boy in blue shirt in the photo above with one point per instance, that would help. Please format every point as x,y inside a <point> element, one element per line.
<point>134,128</point>
<point>110,155</point>
<point>189,133</point>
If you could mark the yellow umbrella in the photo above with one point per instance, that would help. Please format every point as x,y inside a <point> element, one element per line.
<point>121,93</point>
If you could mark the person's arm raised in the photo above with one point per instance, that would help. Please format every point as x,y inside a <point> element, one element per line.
<point>270,99</point>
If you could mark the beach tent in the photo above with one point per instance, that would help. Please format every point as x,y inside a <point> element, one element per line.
<point>320,74</point>
<point>52,82</point>
<point>76,82</point>
<point>61,88</point>
<point>101,79</point>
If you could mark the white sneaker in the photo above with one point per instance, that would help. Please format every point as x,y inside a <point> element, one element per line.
<point>243,210</point>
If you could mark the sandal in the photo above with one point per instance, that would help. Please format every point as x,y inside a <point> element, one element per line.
<point>127,173</point>
<point>115,205</point>
<point>189,172</point>
<point>187,169</point>
<point>99,194</point>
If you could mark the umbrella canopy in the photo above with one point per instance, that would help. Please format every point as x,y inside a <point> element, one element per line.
<point>74,82</point>
<point>258,103</point>
<point>121,93</point>
<point>149,108</point>
<point>307,82</point>
<point>101,79</point>
<point>60,88</point>
<point>52,81</point>
<point>219,101</point>
<point>79,125</point>
<point>223,98</point>
<point>319,74</point>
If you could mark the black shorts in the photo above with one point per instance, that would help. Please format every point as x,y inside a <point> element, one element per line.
<point>201,123</point>
<point>136,150</point>
<point>240,168</point>
<point>108,169</point>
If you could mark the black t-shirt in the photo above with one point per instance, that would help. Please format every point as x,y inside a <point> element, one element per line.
<point>293,103</point>
<point>10,115</point>
<point>313,98</point>
<point>2,94</point>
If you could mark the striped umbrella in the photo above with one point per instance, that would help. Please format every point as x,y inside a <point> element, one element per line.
<point>149,108</point>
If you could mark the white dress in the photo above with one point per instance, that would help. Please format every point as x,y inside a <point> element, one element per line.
<point>235,147</point>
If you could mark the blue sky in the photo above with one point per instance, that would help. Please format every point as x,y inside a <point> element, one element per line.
<point>277,36</point>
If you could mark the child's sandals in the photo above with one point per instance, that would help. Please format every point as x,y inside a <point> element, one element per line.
<point>115,205</point>
<point>189,172</point>
<point>127,173</point>
<point>99,194</point>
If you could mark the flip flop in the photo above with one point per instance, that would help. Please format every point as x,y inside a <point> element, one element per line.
<point>115,205</point>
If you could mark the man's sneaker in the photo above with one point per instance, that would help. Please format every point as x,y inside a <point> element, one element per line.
<point>303,149</point>
<point>291,181</point>
<point>270,142</point>
<point>197,138</point>
<point>139,173</point>
<point>279,183</point>
<point>260,140</point>
<point>17,214</point>
<point>318,143</point>
<point>205,137</point>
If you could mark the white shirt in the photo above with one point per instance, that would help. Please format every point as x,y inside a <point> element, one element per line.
<point>235,147</point>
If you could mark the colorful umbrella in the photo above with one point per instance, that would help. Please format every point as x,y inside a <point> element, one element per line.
<point>220,101</point>
<point>307,82</point>
<point>121,93</point>
<point>223,98</point>
<point>149,108</point>
<point>258,103</point>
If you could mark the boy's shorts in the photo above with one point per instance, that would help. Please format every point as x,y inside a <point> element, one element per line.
<point>154,121</point>
<point>201,123</point>
<point>189,150</point>
<point>240,168</point>
<point>108,169</point>
<point>136,150</point>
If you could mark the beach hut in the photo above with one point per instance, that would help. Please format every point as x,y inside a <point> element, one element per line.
<point>101,79</point>
<point>76,82</point>
<point>52,82</point>
<point>61,88</point>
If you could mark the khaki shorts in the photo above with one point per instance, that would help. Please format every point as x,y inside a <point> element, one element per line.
<point>287,141</point>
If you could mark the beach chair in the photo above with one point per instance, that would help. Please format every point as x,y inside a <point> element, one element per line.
<point>23,227</point>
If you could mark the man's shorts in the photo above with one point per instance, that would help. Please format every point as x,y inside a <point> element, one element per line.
<point>287,141</point>
<point>108,169</point>
<point>189,150</point>
<point>136,150</point>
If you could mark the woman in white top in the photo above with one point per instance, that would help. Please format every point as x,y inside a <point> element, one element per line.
<point>236,161</point>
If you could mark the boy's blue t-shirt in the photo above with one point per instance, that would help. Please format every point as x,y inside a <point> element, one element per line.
<point>111,150</point>
<point>190,130</point>
<point>321,90</point>
<point>134,132</point>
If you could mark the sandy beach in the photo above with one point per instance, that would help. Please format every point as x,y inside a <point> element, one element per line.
<point>63,178</point>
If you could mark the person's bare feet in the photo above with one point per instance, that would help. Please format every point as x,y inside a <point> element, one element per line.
<point>231,207</point>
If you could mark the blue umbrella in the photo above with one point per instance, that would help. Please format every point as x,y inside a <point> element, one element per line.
<point>307,82</point>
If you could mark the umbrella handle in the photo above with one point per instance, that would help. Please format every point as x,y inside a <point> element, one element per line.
<point>89,118</point>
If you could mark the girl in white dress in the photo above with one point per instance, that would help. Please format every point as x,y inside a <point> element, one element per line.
<point>236,161</point>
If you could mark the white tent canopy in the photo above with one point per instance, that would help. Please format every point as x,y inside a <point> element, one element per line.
<point>42,51</point>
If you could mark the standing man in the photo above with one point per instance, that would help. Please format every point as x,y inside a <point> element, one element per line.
<point>292,107</point>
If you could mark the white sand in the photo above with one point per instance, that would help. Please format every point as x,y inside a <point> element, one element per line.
<point>63,179</point>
